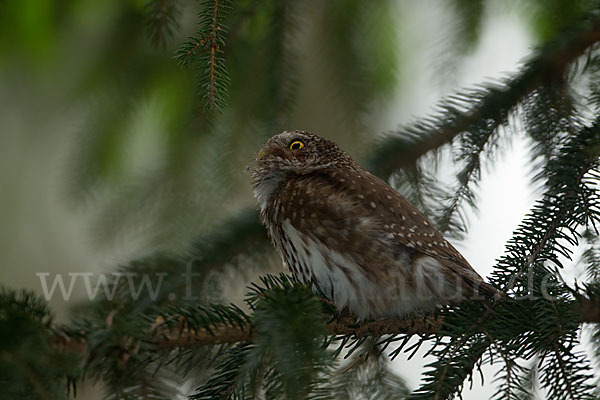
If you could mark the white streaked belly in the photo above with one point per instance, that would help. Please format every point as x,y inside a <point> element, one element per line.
<point>344,283</point>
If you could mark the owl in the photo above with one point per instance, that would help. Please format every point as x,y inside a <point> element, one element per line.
<point>352,237</point>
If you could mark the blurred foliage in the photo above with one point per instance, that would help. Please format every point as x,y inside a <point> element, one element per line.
<point>31,365</point>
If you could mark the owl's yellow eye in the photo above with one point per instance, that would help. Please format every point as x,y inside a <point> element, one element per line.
<point>296,145</point>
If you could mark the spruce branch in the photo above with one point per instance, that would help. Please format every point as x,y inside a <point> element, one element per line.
<point>222,334</point>
<point>491,103</point>
<point>183,332</point>
<point>31,365</point>
<point>213,47</point>
<point>282,79</point>
<point>228,376</point>
<point>536,241</point>
<point>162,18</point>
<point>563,207</point>
<point>510,381</point>
<point>179,335</point>
<point>368,376</point>
<point>186,55</point>
<point>205,50</point>
<point>563,370</point>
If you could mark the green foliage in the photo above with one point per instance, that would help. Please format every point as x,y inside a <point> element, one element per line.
<point>550,231</point>
<point>287,357</point>
<point>471,16</point>
<point>32,366</point>
<point>290,324</point>
<point>591,262</point>
<point>555,104</point>
<point>591,256</point>
<point>165,279</point>
<point>206,49</point>
<point>553,15</point>
<point>226,382</point>
<point>368,377</point>
<point>120,357</point>
<point>360,33</point>
<point>571,201</point>
<point>163,16</point>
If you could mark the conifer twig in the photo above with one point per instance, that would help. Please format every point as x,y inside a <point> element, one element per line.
<point>588,311</point>
<point>220,334</point>
<point>549,65</point>
<point>214,45</point>
<point>170,338</point>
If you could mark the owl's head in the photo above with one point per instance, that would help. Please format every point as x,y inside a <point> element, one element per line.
<point>299,151</point>
<point>294,152</point>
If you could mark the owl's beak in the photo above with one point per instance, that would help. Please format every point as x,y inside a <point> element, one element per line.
<point>267,150</point>
<point>262,154</point>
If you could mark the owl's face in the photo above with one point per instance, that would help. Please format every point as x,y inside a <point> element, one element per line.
<point>297,152</point>
<point>293,153</point>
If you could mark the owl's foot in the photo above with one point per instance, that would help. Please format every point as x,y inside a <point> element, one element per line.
<point>350,320</point>
<point>344,316</point>
<point>345,313</point>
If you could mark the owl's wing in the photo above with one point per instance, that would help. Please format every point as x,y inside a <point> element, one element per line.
<point>360,214</point>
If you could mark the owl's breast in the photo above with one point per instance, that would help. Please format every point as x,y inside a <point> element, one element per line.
<point>311,261</point>
<point>367,286</point>
<point>266,186</point>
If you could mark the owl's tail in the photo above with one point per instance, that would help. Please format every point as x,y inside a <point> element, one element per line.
<point>473,285</point>
<point>478,288</point>
<point>489,291</point>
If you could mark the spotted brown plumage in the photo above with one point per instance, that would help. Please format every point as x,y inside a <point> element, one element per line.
<point>353,237</point>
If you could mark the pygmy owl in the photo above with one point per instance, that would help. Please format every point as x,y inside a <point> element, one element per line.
<point>351,236</point>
